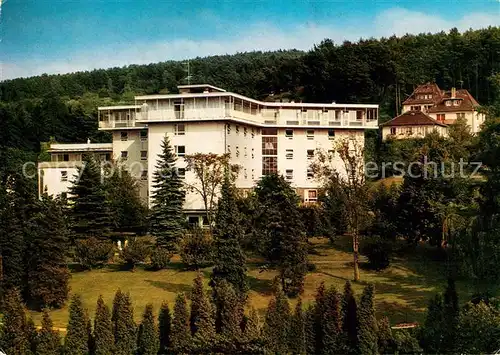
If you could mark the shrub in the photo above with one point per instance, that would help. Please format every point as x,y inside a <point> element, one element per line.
<point>160,257</point>
<point>406,343</point>
<point>378,251</point>
<point>137,251</point>
<point>196,249</point>
<point>93,252</point>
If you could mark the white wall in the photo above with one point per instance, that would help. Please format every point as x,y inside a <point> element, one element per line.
<point>49,178</point>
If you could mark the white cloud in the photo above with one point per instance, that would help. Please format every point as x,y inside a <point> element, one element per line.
<point>261,36</point>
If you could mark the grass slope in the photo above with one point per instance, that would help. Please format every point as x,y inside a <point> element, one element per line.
<point>402,290</point>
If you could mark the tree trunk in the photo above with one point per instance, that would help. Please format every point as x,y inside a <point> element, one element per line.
<point>355,247</point>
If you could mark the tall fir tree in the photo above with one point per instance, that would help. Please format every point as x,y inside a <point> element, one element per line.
<point>432,334</point>
<point>76,340</point>
<point>103,329</point>
<point>181,333</point>
<point>228,314</point>
<point>15,337</point>
<point>164,327</point>
<point>451,316</point>
<point>386,341</point>
<point>297,334</point>
<point>252,326</point>
<point>277,324</point>
<point>47,271</point>
<point>90,212</point>
<point>310,325</point>
<point>49,341</point>
<point>32,334</point>
<point>166,218</point>
<point>229,257</point>
<point>201,315</point>
<point>148,342</point>
<point>332,323</point>
<point>368,329</point>
<point>281,233</point>
<point>319,310</point>
<point>124,327</point>
<point>350,318</point>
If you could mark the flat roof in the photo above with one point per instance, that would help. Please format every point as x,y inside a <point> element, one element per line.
<point>119,107</point>
<point>80,147</point>
<point>262,103</point>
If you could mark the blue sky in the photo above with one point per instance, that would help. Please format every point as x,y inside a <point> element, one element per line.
<point>61,36</point>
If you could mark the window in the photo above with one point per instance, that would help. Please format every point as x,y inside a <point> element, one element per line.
<point>204,220</point>
<point>245,149</point>
<point>245,173</point>
<point>359,115</point>
<point>409,130</point>
<point>144,136</point>
<point>289,154</point>
<point>253,155</point>
<point>144,154</point>
<point>460,115</point>
<point>180,150</point>
<point>194,220</point>
<point>181,173</point>
<point>310,174</point>
<point>441,117</point>
<point>124,136</point>
<point>289,133</point>
<point>253,133</point>
<point>289,174</point>
<point>456,102</point>
<point>269,131</point>
<point>253,174</point>
<point>331,154</point>
<point>228,150</point>
<point>269,145</point>
<point>64,175</point>
<point>310,153</point>
<point>228,129</point>
<point>393,130</point>
<point>269,165</point>
<point>448,103</point>
<point>245,131</point>
<point>312,195</point>
<point>237,129</point>
<point>144,175</point>
<point>237,152</point>
<point>415,108</point>
<point>124,155</point>
<point>331,134</point>
<point>310,134</point>
<point>337,114</point>
<point>180,129</point>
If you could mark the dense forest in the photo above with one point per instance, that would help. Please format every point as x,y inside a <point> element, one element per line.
<point>383,71</point>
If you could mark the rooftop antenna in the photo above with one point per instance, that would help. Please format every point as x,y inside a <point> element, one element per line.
<point>188,69</point>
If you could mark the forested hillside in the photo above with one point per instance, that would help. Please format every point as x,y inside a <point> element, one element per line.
<point>383,71</point>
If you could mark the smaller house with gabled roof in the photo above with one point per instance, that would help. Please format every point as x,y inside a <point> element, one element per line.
<point>412,124</point>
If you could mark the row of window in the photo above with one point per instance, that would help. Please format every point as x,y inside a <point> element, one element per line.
<point>309,133</point>
<point>180,150</point>
<point>237,130</point>
<point>143,135</point>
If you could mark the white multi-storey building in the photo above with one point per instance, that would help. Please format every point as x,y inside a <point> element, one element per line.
<point>261,137</point>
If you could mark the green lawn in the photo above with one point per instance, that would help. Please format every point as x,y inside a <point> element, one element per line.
<point>402,290</point>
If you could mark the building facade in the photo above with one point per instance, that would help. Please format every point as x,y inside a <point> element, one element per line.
<point>260,137</point>
<point>442,107</point>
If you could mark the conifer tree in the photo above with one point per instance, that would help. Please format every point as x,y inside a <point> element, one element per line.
<point>228,233</point>
<point>432,334</point>
<point>164,327</point>
<point>252,326</point>
<point>310,324</point>
<point>332,323</point>
<point>168,198</point>
<point>386,342</point>
<point>277,324</point>
<point>124,327</point>
<point>228,314</point>
<point>47,271</point>
<point>76,340</point>
<point>181,332</point>
<point>319,310</point>
<point>32,334</point>
<point>103,329</point>
<point>15,338</point>
<point>350,318</point>
<point>368,329</point>
<point>49,341</point>
<point>148,342</point>
<point>90,335</point>
<point>451,315</point>
<point>90,213</point>
<point>297,336</point>
<point>201,315</point>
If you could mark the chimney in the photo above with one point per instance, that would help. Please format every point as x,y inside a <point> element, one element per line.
<point>453,93</point>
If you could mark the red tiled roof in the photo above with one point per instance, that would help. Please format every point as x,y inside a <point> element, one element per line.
<point>429,88</point>
<point>467,102</point>
<point>413,118</point>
